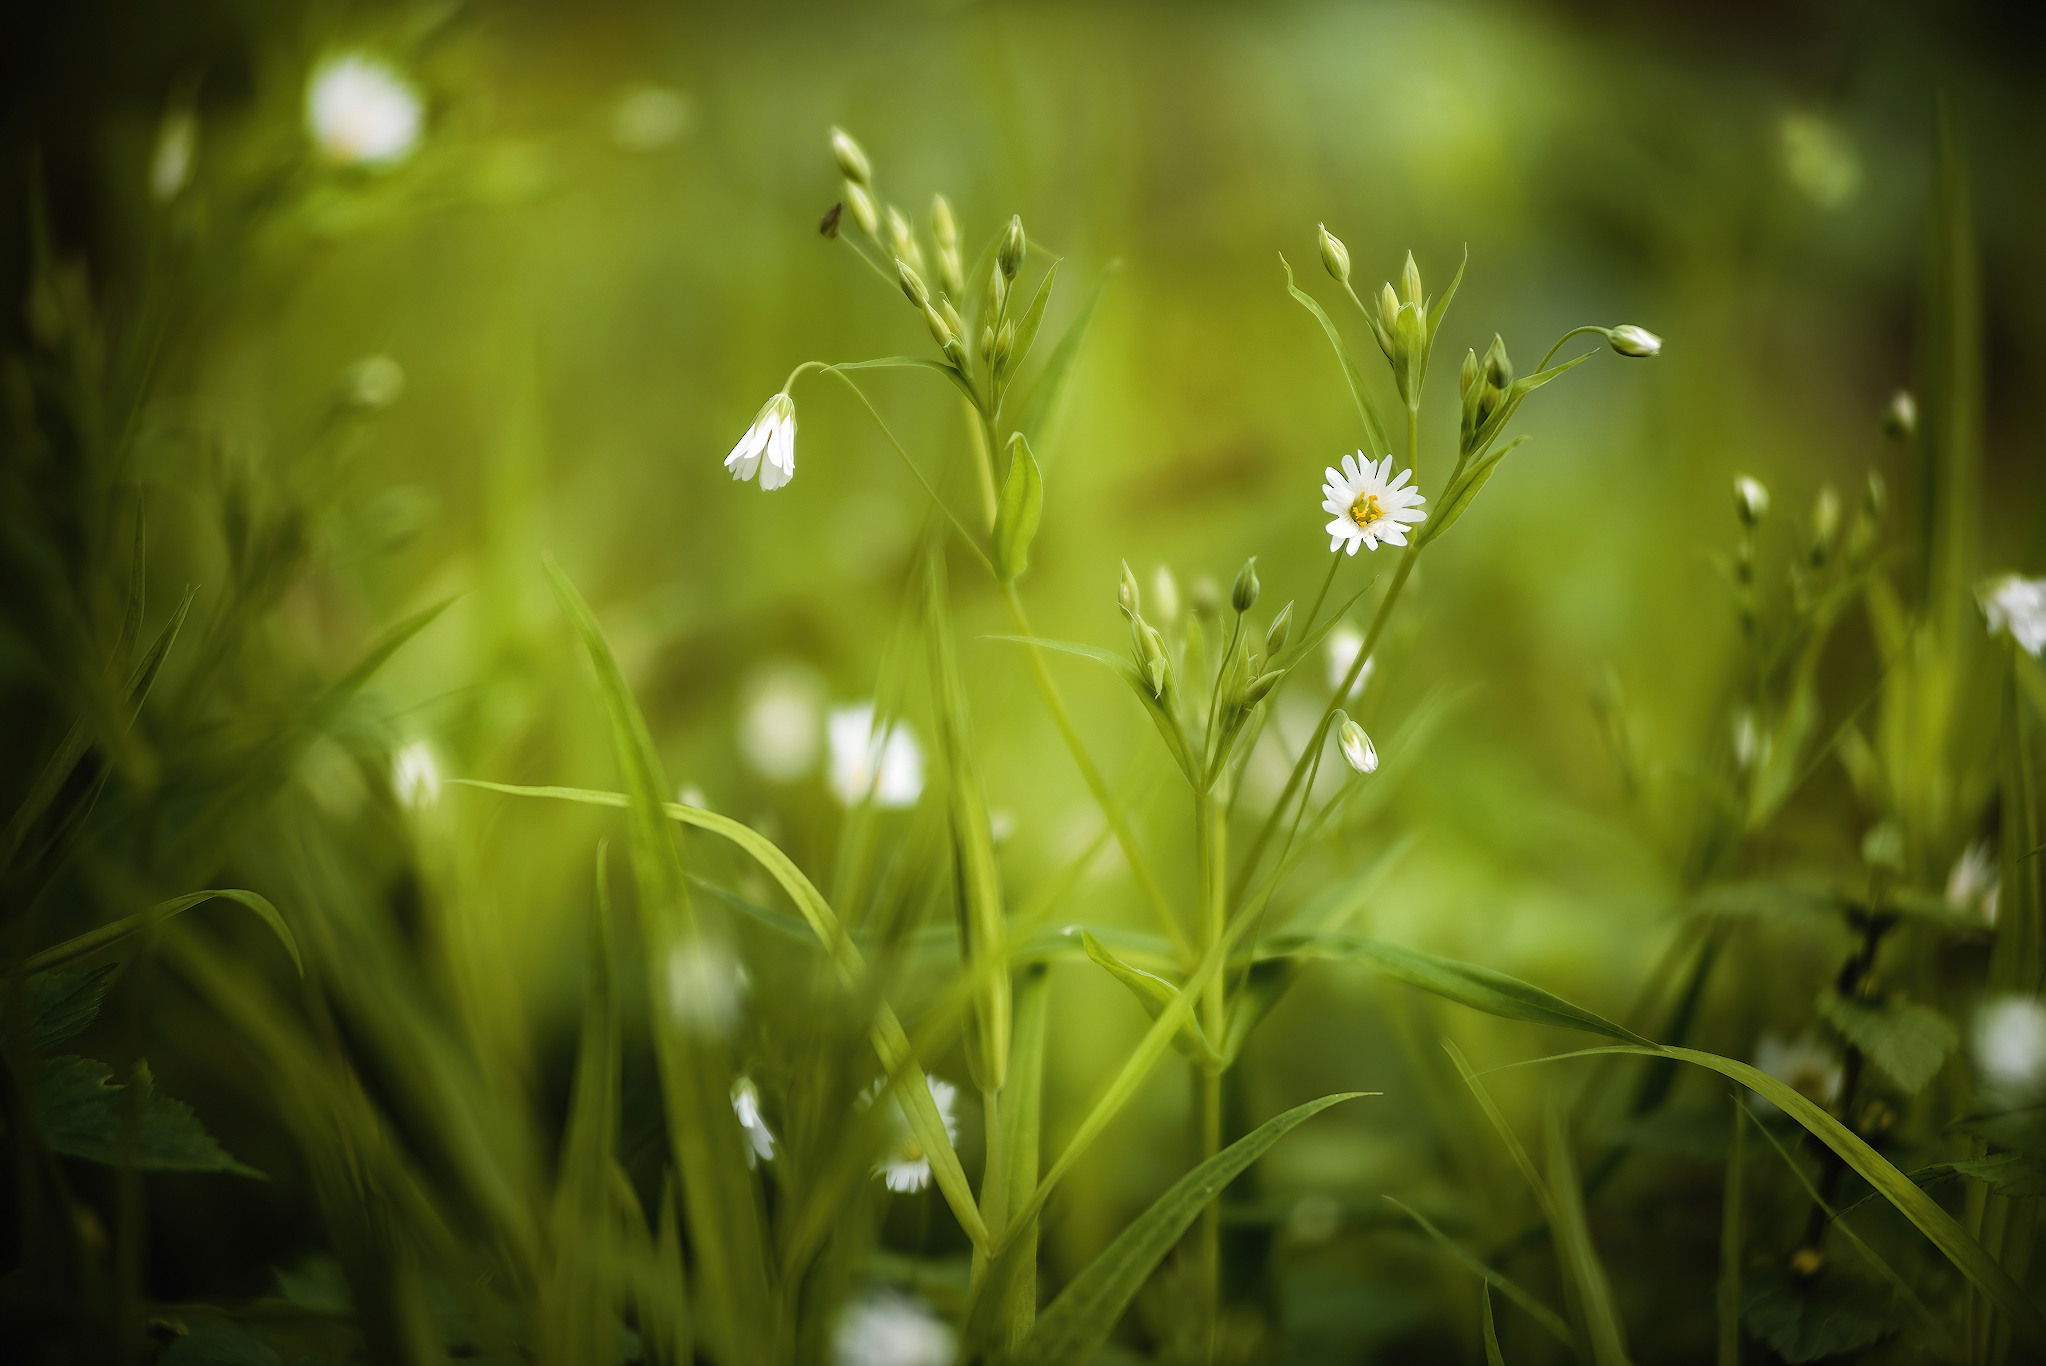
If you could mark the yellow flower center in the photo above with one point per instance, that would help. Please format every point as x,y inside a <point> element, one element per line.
<point>910,1151</point>
<point>1365,510</point>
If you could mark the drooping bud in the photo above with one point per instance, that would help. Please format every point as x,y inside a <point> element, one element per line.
<point>1825,524</point>
<point>1750,501</point>
<point>1334,255</point>
<point>1410,279</point>
<point>852,162</point>
<point>1165,594</point>
<point>912,284</point>
<point>1900,417</point>
<point>1281,630</point>
<point>1260,687</point>
<point>1010,258</point>
<point>1126,595</point>
<point>1005,342</point>
<point>862,206</point>
<point>1243,592</point>
<point>1358,751</point>
<point>1630,340</point>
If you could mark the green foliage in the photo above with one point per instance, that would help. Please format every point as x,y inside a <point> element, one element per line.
<point>1907,1040</point>
<point>80,1112</point>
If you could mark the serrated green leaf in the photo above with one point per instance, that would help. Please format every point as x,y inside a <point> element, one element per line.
<point>79,1111</point>
<point>1017,514</point>
<point>106,936</point>
<point>1907,1040</point>
<point>61,1004</point>
<point>1086,1311</point>
<point>1154,994</point>
<point>1374,430</point>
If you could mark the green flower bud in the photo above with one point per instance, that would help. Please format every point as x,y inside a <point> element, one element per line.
<point>1126,594</point>
<point>852,162</point>
<point>1388,309</point>
<point>1005,342</point>
<point>1410,278</point>
<point>1335,255</point>
<point>1010,258</point>
<point>944,228</point>
<point>912,284</point>
<point>1260,687</point>
<point>1825,525</point>
<point>1151,656</point>
<point>997,295</point>
<point>1243,593</point>
<point>1469,374</point>
<point>941,332</point>
<point>1281,629</point>
<point>901,241</point>
<point>862,205</point>
<point>1750,501</point>
<point>1900,417</point>
<point>987,346</point>
<point>1498,369</point>
<point>951,316</point>
<point>1630,340</point>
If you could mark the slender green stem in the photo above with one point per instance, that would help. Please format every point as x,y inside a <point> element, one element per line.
<point>984,444</point>
<point>1110,808</point>
<point>1214,721</point>
<point>936,501</point>
<point>1575,331</point>
<point>994,1182</point>
<point>1335,562</point>
<point>1414,438</point>
<point>1210,837</point>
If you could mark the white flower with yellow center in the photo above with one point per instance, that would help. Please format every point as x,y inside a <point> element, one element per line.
<point>1369,505</point>
<point>769,446</point>
<point>361,111</point>
<point>2018,606</point>
<point>905,1167</point>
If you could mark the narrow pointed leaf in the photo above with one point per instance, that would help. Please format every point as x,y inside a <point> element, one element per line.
<point>1154,994</point>
<point>1017,514</point>
<point>92,941</point>
<point>1580,1258</point>
<point>1033,319</point>
<point>1037,414</point>
<point>1536,1310</point>
<point>1374,430</point>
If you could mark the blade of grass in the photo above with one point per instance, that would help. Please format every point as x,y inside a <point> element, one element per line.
<point>1730,1243</point>
<point>1539,1312</point>
<point>1058,367</point>
<point>106,936</point>
<point>1580,1258</point>
<point>1493,1357</point>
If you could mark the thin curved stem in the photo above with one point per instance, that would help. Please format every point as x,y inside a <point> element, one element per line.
<point>936,501</point>
<point>1575,331</point>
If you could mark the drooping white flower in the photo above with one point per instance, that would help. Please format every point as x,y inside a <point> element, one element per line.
<point>1343,644</point>
<point>1368,505</point>
<point>1974,881</point>
<point>706,987</point>
<point>1358,751</point>
<point>362,112</point>
<point>2010,1044</point>
<point>781,720</point>
<point>415,776</point>
<point>170,165</point>
<point>746,1105</point>
<point>884,765</point>
<point>769,445</point>
<point>905,1167</point>
<point>1804,1065</point>
<point>2018,606</point>
<point>888,1328</point>
<point>1750,500</point>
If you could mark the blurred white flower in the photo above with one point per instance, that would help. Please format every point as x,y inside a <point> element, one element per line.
<point>781,721</point>
<point>2010,1044</point>
<point>415,776</point>
<point>361,111</point>
<point>1749,743</point>
<point>1164,596</point>
<point>905,1167</point>
<point>1358,751</point>
<point>689,794</point>
<point>886,766</point>
<point>649,117</point>
<point>2018,606</point>
<point>1804,1065</point>
<point>746,1105</point>
<point>1974,881</point>
<point>1314,1219</point>
<point>1820,159</point>
<point>1750,499</point>
<point>1343,644</point>
<point>177,145</point>
<point>888,1328</point>
<point>1001,825</point>
<point>375,382</point>
<point>706,987</point>
<point>773,435</point>
<point>1368,504</point>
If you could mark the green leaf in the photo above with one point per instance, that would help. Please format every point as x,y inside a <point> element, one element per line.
<point>1467,984</point>
<point>1374,430</point>
<point>1458,497</point>
<point>1154,994</point>
<point>1019,511</point>
<point>1263,987</point>
<point>61,1004</point>
<point>1907,1040</point>
<point>92,941</point>
<point>1033,318</point>
<point>1084,1314</point>
<point>219,1342</point>
<point>339,694</point>
<point>1539,1312</point>
<point>1824,1316</point>
<point>1580,1258</point>
<point>79,1111</point>
<point>2016,1175</point>
<point>1510,401</point>
<point>1037,414</point>
<point>1493,1356</point>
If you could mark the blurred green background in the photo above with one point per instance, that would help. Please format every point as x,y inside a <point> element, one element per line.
<point>605,254</point>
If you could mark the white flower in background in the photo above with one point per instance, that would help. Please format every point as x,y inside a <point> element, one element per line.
<point>649,117</point>
<point>1165,596</point>
<point>2018,606</point>
<point>746,1105</point>
<point>886,766</point>
<point>415,776</point>
<point>1749,743</point>
<point>1804,1065</point>
<point>1001,825</point>
<point>177,145</point>
<point>375,382</point>
<point>1358,751</point>
<point>1974,881</point>
<point>1750,500</point>
<point>1369,505</point>
<point>1343,644</point>
<point>361,112</point>
<point>781,721</point>
<point>2010,1044</point>
<point>689,794</point>
<point>706,987</point>
<point>888,1328</point>
<point>905,1167</point>
<point>773,436</point>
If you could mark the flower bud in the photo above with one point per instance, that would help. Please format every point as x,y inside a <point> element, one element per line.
<point>1010,258</point>
<point>951,316</point>
<point>1358,751</point>
<point>941,333</point>
<point>1165,593</point>
<point>1126,595</point>
<point>987,346</point>
<point>1005,342</point>
<point>912,284</point>
<point>852,162</point>
<point>862,205</point>
<point>997,295</point>
<point>1498,369</point>
<point>1630,340</point>
<point>1260,687</point>
<point>1151,656</point>
<point>1335,255</point>
<point>1388,309</point>
<point>944,228</point>
<point>1281,630</point>
<point>1900,418</point>
<point>1825,524</point>
<point>1750,501</point>
<point>1410,278</point>
<point>1469,374</point>
<point>901,241</point>
<point>1243,593</point>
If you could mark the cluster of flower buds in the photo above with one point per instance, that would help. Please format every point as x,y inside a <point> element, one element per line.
<point>1147,645</point>
<point>859,177</point>
<point>1483,385</point>
<point>945,232</point>
<point>1400,325</point>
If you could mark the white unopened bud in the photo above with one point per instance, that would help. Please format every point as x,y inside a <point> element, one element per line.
<point>1358,751</point>
<point>1750,500</point>
<point>1334,255</point>
<point>852,162</point>
<point>1630,340</point>
<point>861,205</point>
<point>1126,595</point>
